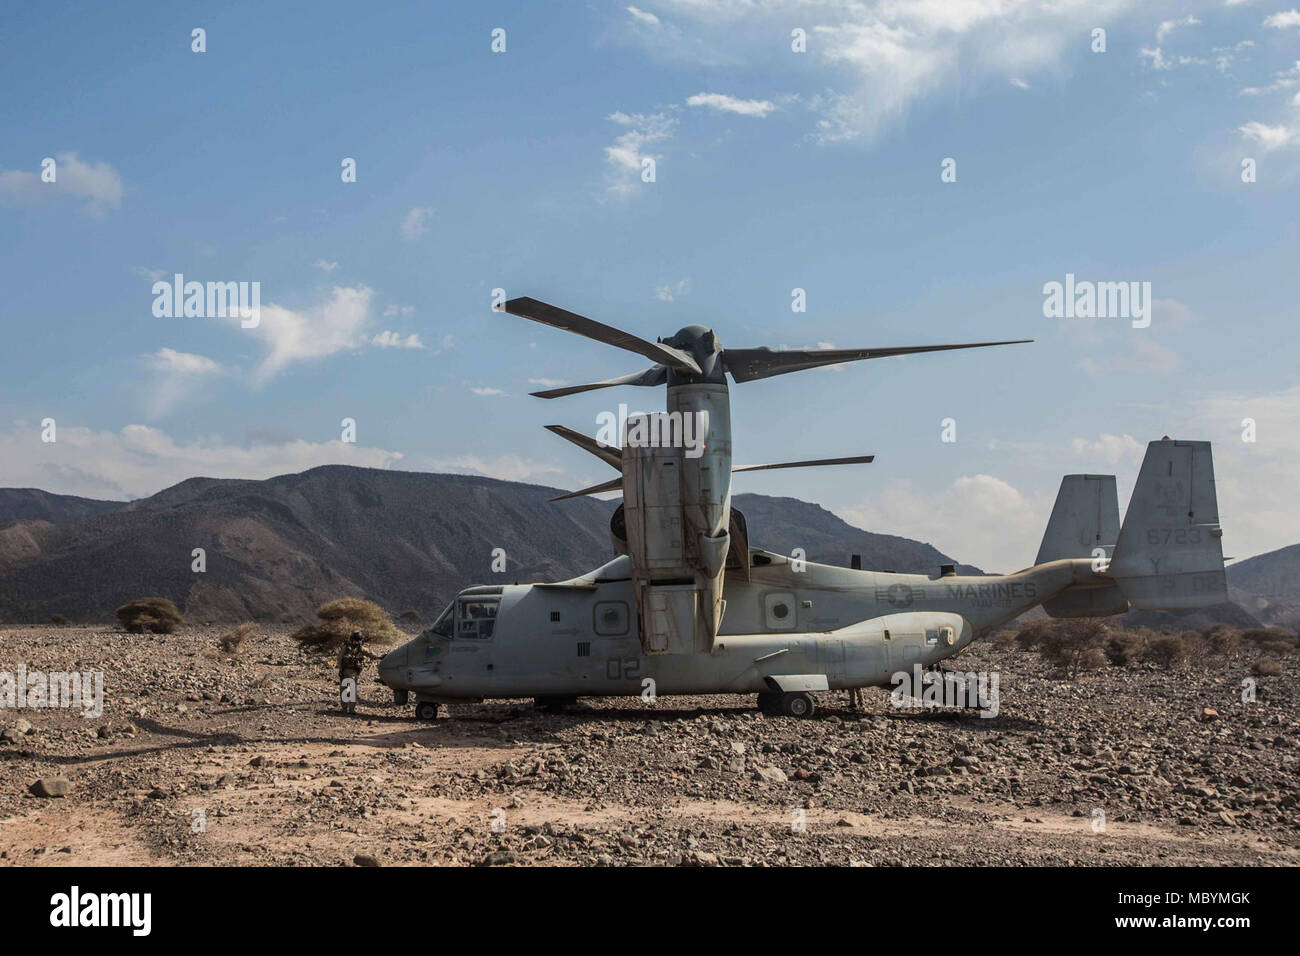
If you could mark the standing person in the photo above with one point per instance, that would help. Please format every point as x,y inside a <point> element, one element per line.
<point>352,658</point>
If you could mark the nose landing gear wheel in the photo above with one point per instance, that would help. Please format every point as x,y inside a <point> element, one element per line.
<point>426,710</point>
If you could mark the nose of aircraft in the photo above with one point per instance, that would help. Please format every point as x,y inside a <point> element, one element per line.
<point>392,664</point>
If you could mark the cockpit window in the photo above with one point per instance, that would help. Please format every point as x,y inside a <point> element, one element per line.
<point>445,625</point>
<point>477,618</point>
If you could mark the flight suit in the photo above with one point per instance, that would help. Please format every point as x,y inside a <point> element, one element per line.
<point>352,658</point>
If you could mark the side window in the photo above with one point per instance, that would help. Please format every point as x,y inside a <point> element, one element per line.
<point>779,611</point>
<point>609,618</point>
<point>476,618</point>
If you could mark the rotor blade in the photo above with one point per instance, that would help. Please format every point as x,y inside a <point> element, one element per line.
<point>745,365</point>
<point>529,308</point>
<point>614,484</point>
<point>858,460</point>
<point>611,456</point>
<point>655,375</point>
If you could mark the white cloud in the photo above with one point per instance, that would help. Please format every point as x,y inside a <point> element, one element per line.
<point>1018,83</point>
<point>176,376</point>
<point>334,325</point>
<point>324,266</point>
<point>548,382</point>
<point>1138,353</point>
<point>185,363</point>
<point>1268,137</point>
<point>1255,481</point>
<point>878,58</point>
<point>1112,449</point>
<point>153,275</point>
<point>393,340</point>
<point>1169,26</point>
<point>485,390</point>
<point>730,104</point>
<point>670,292</point>
<point>139,460</point>
<point>392,310</point>
<point>643,16</point>
<point>625,157</point>
<point>98,183</point>
<point>416,223</point>
<point>1283,20</point>
<point>506,468</point>
<point>979,519</point>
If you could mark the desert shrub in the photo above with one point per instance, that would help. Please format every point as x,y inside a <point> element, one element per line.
<point>1260,636</point>
<point>1276,648</point>
<point>1221,639</point>
<point>1125,647</point>
<point>1031,637</point>
<point>232,641</point>
<point>340,618</point>
<point>1266,667</point>
<point>1195,647</point>
<point>412,617</point>
<point>1165,651</point>
<point>1005,639</point>
<point>58,620</point>
<point>1074,645</point>
<point>153,615</point>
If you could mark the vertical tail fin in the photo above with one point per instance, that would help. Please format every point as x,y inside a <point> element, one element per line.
<point>1169,553</point>
<point>1084,524</point>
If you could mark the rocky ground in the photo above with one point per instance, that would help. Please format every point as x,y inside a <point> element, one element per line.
<point>206,758</point>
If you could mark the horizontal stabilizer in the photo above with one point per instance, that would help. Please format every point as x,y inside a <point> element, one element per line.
<point>1084,524</point>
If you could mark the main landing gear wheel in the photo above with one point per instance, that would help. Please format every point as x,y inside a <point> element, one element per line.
<point>426,710</point>
<point>797,705</point>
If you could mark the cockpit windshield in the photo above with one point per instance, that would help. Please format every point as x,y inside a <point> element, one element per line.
<point>445,626</point>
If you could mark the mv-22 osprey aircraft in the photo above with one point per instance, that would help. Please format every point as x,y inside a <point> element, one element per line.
<point>688,607</point>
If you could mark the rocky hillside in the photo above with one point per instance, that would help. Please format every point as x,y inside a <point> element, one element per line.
<point>277,549</point>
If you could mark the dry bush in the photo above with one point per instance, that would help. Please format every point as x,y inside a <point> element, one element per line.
<point>1031,637</point>
<point>232,641</point>
<point>1006,640</point>
<point>1125,647</point>
<point>338,619</point>
<point>1276,648</point>
<point>412,617</point>
<point>1221,639</point>
<point>1074,644</point>
<point>152,615</point>
<point>1266,667</point>
<point>1166,651</point>
<point>58,620</point>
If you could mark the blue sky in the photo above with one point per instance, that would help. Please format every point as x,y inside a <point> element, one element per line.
<point>775,170</point>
